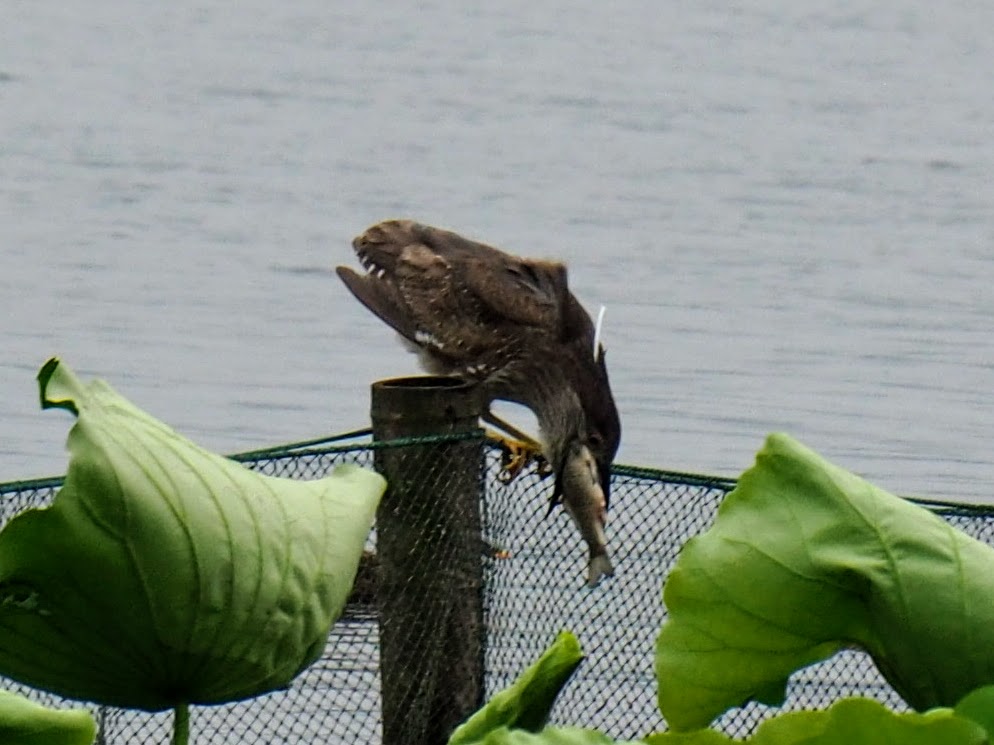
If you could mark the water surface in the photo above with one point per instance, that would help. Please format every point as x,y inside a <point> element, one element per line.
<point>788,212</point>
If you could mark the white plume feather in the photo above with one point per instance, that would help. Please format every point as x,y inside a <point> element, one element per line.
<point>597,330</point>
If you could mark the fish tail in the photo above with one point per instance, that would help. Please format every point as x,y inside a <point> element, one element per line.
<point>599,566</point>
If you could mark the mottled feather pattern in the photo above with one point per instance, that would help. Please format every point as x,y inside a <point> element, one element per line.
<point>479,311</point>
<point>511,325</point>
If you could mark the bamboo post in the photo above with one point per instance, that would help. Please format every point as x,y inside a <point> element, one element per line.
<point>430,570</point>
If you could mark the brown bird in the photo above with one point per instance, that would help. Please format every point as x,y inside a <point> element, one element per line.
<point>511,325</point>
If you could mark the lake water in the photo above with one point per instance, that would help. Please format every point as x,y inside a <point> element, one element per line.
<point>788,212</point>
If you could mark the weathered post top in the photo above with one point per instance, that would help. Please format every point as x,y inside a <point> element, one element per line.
<point>424,404</point>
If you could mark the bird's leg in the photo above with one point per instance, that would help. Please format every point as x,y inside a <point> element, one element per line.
<point>517,448</point>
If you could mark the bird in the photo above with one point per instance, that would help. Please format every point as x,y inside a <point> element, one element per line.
<point>512,326</point>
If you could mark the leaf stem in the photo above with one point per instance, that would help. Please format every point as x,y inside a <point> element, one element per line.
<point>181,724</point>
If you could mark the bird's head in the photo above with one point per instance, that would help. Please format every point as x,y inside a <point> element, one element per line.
<point>600,432</point>
<point>602,446</point>
<point>584,449</point>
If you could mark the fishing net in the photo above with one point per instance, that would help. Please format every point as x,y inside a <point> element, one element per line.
<point>519,579</point>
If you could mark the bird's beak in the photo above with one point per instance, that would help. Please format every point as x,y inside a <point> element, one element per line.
<point>604,474</point>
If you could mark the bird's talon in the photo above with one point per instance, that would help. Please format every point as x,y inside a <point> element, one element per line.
<point>515,456</point>
<point>508,468</point>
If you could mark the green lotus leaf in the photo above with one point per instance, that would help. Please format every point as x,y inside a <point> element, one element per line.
<point>693,737</point>
<point>978,705</point>
<point>851,721</point>
<point>805,559</point>
<point>526,703</point>
<point>163,574</point>
<point>547,736</point>
<point>24,722</point>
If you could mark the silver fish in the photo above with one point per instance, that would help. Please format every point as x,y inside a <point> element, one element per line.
<point>583,498</point>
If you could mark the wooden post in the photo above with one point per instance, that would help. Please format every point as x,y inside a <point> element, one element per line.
<point>430,554</point>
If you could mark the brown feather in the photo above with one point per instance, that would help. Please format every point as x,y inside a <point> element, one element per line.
<point>380,298</point>
<point>507,322</point>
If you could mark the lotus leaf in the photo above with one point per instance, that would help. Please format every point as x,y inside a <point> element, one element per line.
<point>978,705</point>
<point>163,574</point>
<point>24,722</point>
<point>526,703</point>
<point>852,721</point>
<point>805,559</point>
<point>548,736</point>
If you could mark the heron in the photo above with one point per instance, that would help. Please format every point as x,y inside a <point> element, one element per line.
<point>512,326</point>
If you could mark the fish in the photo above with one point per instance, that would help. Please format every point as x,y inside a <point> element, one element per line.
<point>582,496</point>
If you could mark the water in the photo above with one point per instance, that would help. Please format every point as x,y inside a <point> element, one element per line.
<point>788,212</point>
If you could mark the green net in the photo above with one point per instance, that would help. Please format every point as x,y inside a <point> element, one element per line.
<point>532,567</point>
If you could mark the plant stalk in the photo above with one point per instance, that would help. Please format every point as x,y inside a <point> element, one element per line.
<point>181,724</point>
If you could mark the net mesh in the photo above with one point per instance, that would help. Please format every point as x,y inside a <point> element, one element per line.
<point>532,567</point>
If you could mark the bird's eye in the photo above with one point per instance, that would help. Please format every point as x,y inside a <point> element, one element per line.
<point>596,441</point>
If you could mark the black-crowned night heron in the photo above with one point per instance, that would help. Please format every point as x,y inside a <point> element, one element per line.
<point>511,325</point>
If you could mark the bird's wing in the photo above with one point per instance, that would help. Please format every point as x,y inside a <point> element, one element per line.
<point>408,285</point>
<point>437,269</point>
<point>526,291</point>
<point>382,298</point>
<point>522,291</point>
<point>401,272</point>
